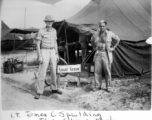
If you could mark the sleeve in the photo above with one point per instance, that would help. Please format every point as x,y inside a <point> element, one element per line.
<point>55,35</point>
<point>39,35</point>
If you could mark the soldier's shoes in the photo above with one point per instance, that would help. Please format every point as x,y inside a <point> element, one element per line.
<point>99,88</point>
<point>96,89</point>
<point>37,96</point>
<point>108,89</point>
<point>57,91</point>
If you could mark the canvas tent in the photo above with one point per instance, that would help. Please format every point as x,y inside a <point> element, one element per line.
<point>7,33</point>
<point>130,20</point>
<point>4,29</point>
<point>12,39</point>
<point>10,36</point>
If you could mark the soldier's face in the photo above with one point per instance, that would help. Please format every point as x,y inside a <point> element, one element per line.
<point>102,26</point>
<point>49,23</point>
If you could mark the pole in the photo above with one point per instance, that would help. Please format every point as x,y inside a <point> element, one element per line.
<point>21,45</point>
<point>60,28</point>
<point>25,19</point>
<point>14,41</point>
<point>66,44</point>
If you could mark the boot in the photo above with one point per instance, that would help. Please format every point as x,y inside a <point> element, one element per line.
<point>57,91</point>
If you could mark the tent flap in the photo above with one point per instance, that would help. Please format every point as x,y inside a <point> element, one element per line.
<point>131,58</point>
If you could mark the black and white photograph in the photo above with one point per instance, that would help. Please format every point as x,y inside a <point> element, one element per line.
<point>70,55</point>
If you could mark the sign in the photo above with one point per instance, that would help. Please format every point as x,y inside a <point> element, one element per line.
<point>69,68</point>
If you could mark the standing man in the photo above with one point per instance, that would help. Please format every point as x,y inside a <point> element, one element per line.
<point>101,43</point>
<point>47,52</point>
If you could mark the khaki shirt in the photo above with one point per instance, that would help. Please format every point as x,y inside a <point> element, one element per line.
<point>100,44</point>
<point>47,37</point>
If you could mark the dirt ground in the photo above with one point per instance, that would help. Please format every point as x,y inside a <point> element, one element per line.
<point>18,90</point>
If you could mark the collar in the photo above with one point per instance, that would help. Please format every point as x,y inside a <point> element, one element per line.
<point>48,30</point>
<point>98,31</point>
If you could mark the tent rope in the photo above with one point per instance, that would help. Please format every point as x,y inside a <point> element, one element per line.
<point>87,57</point>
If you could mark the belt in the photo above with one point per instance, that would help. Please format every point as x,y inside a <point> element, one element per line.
<point>47,48</point>
<point>101,50</point>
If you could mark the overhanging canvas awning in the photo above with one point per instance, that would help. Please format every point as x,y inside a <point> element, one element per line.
<point>129,19</point>
<point>23,31</point>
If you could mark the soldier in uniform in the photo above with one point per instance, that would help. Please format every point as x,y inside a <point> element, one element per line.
<point>47,52</point>
<point>101,43</point>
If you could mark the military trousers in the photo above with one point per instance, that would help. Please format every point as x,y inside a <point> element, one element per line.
<point>102,68</point>
<point>49,61</point>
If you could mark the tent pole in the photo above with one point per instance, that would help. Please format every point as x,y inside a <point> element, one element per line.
<point>58,35</point>
<point>25,19</point>
<point>66,45</point>
<point>60,28</point>
<point>21,45</point>
<point>14,42</point>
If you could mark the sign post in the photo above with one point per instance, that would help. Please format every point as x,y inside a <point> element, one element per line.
<point>70,69</point>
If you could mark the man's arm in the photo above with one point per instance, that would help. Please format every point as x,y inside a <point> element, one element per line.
<point>56,47</point>
<point>39,56</point>
<point>117,40</point>
<point>38,48</point>
<point>38,45</point>
<point>56,50</point>
<point>55,43</point>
